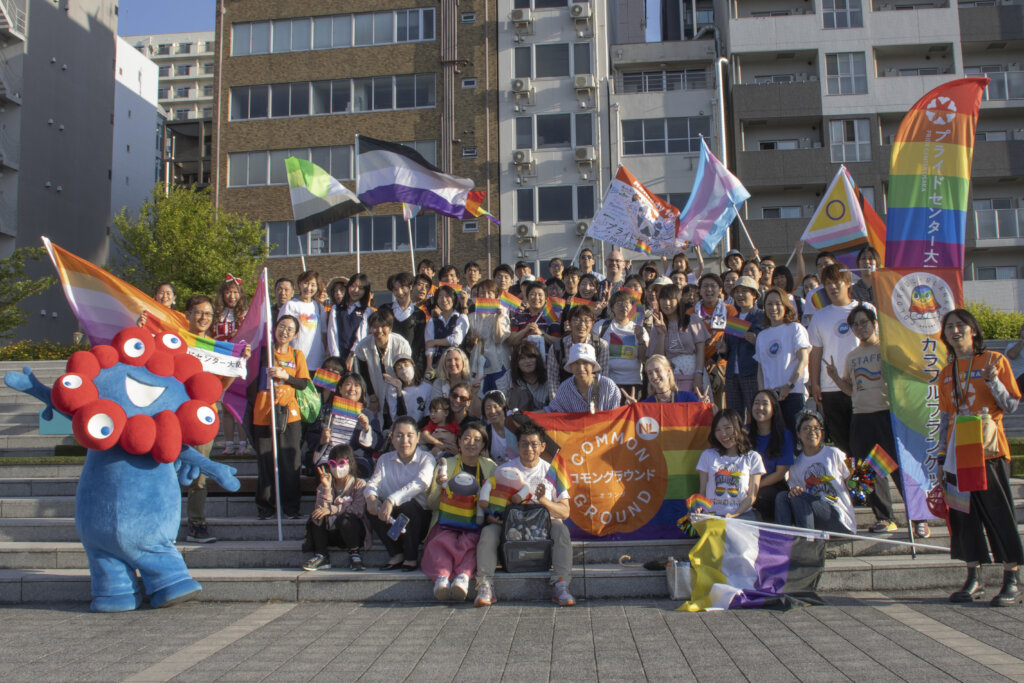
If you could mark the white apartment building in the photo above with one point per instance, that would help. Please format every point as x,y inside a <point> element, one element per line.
<point>138,118</point>
<point>186,66</point>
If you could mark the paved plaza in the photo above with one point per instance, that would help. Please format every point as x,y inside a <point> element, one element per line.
<point>857,636</point>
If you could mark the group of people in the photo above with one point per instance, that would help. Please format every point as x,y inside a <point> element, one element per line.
<point>439,384</point>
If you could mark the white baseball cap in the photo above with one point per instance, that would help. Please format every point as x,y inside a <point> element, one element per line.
<point>582,351</point>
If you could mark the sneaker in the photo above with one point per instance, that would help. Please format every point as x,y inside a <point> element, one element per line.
<point>883,525</point>
<point>316,562</point>
<point>922,530</point>
<point>460,588</point>
<point>229,448</point>
<point>198,533</point>
<point>561,594</point>
<point>485,595</point>
<point>264,514</point>
<point>244,449</point>
<point>355,561</point>
<point>441,588</point>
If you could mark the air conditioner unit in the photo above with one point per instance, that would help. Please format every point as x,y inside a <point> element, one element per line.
<point>582,227</point>
<point>526,231</point>
<point>522,85</point>
<point>585,82</point>
<point>522,17</point>
<point>522,157</point>
<point>580,10</point>
<point>586,153</point>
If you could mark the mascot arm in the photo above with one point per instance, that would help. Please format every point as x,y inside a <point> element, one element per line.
<point>191,463</point>
<point>28,383</point>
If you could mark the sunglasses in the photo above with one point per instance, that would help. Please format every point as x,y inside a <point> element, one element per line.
<point>460,398</point>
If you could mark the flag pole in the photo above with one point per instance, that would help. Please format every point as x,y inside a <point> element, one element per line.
<point>301,254</point>
<point>412,250</point>
<point>745,231</point>
<point>355,220</point>
<point>273,415</point>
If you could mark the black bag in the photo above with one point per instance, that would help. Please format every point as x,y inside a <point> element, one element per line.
<point>526,539</point>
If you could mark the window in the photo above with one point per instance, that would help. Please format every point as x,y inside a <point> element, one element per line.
<point>333,31</point>
<point>554,130</point>
<point>552,60</point>
<point>184,49</point>
<point>767,145</point>
<point>207,112</point>
<point>163,71</point>
<point>850,139</point>
<point>664,136</point>
<point>659,81</point>
<point>523,63</point>
<point>584,129</point>
<point>163,49</point>
<point>163,93</point>
<point>182,114</point>
<point>207,91</point>
<point>468,83</point>
<point>524,205</point>
<point>842,14</point>
<point>467,18</point>
<point>470,226</point>
<point>677,199</point>
<point>581,58</point>
<point>208,67</point>
<point>335,160</point>
<point>181,92</point>
<point>774,78</point>
<point>377,233</point>
<point>182,69</point>
<point>584,201</point>
<point>260,38</point>
<point>847,73</point>
<point>524,132</point>
<point>780,212</point>
<point>995,218</point>
<point>997,273</point>
<point>469,152</point>
<point>991,136</point>
<point>555,203</point>
<point>333,97</point>
<point>209,45</point>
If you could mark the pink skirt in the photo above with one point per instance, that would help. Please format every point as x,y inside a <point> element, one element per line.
<point>449,552</point>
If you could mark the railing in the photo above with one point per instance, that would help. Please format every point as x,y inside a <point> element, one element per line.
<point>661,81</point>
<point>1005,85</point>
<point>10,148</point>
<point>897,5</point>
<point>995,224</point>
<point>12,79</point>
<point>15,11</point>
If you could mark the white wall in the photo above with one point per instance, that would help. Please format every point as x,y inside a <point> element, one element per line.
<point>135,157</point>
<point>1003,295</point>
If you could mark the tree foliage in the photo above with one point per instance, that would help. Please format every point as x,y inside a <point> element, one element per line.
<point>180,238</point>
<point>996,324</point>
<point>15,286</point>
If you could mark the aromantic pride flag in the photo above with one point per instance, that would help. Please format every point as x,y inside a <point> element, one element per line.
<point>631,216</point>
<point>929,177</point>
<point>631,469</point>
<point>318,199</point>
<point>105,304</point>
<point>844,220</point>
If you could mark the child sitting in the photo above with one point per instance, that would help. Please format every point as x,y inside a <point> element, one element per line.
<point>339,515</point>
<point>440,431</point>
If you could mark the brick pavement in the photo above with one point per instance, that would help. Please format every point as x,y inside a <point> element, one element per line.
<point>857,636</point>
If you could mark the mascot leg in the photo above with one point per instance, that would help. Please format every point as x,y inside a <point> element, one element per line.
<point>166,576</point>
<point>115,587</point>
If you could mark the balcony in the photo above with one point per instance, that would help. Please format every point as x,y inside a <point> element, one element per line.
<point>898,5</point>
<point>774,33</point>
<point>14,18</point>
<point>784,167</point>
<point>991,24</point>
<point>661,81</point>
<point>1002,159</point>
<point>1005,85</point>
<point>777,100</point>
<point>999,224</point>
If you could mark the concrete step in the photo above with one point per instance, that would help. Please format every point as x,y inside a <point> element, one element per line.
<point>18,472</point>
<point>64,506</point>
<point>42,529</point>
<point>33,441</point>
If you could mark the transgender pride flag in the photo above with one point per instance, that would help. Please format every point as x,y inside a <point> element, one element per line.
<point>714,202</point>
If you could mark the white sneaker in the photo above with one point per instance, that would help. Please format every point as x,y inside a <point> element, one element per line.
<point>460,588</point>
<point>441,590</point>
<point>561,594</point>
<point>485,595</point>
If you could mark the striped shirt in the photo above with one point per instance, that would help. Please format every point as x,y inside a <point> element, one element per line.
<point>603,393</point>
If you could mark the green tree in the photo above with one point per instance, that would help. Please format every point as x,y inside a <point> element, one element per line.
<point>180,238</point>
<point>15,286</point>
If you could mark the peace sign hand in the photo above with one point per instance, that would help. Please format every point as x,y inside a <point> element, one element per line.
<point>989,372</point>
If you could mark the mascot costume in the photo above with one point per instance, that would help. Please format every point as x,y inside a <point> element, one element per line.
<point>138,405</point>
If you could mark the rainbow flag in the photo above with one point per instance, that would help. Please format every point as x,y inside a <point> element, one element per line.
<point>820,298</point>
<point>930,176</point>
<point>629,470</point>
<point>643,247</point>
<point>578,301</point>
<point>698,503</point>
<point>457,288</point>
<point>487,306</point>
<point>474,208</point>
<point>970,454</point>
<point>558,475</point>
<point>510,302</point>
<point>880,461</point>
<point>553,308</point>
<point>325,379</point>
<point>455,511</point>
<point>105,304</point>
<point>343,407</point>
<point>737,327</point>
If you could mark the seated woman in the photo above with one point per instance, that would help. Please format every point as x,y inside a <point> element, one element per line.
<point>817,496</point>
<point>339,515</point>
<point>407,392</point>
<point>524,384</point>
<point>774,443</point>
<point>399,486</point>
<point>730,473</point>
<point>661,383</point>
<point>586,390</point>
<point>503,442</point>
<point>452,369</point>
<point>363,433</point>
<point>450,548</point>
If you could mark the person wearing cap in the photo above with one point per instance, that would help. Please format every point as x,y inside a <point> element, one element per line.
<point>587,390</point>
<point>741,368</point>
<point>733,260</point>
<point>579,321</point>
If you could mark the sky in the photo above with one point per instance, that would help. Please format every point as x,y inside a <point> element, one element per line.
<point>138,17</point>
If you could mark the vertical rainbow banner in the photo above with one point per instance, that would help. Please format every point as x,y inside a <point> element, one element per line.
<point>631,469</point>
<point>911,303</point>
<point>929,177</point>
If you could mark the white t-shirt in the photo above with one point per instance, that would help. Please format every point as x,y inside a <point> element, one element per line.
<point>626,345</point>
<point>728,478</point>
<point>830,331</point>
<point>534,476</point>
<point>824,475</point>
<point>417,400</point>
<point>312,323</point>
<point>775,351</point>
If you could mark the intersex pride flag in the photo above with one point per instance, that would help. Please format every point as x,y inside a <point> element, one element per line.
<point>631,469</point>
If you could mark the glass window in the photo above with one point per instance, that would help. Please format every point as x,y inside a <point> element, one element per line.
<point>257,168</point>
<point>240,36</point>
<point>405,92</point>
<point>364,29</point>
<point>584,201</point>
<point>182,114</point>
<point>300,99</point>
<point>363,93</point>
<point>163,49</point>
<point>661,136</point>
<point>364,236</point>
<point>552,60</point>
<point>555,203</point>
<point>340,231</point>
<point>184,49</point>
<point>523,68</point>
<point>321,33</point>
<point>164,93</point>
<point>383,90</point>
<point>847,73</point>
<point>428,34</point>
<point>424,229</point>
<point>524,132</point>
<point>277,237</point>
<point>239,104</point>
<point>282,33</point>
<point>402,230</point>
<point>850,140</point>
<point>280,93</point>
<point>424,90</point>
<point>318,242</point>
<point>300,34</point>
<point>322,97</point>
<point>258,102</point>
<point>383,28</point>
<point>208,67</point>
<point>341,36</point>
<point>260,38</point>
<point>842,14</point>
<point>341,95</point>
<point>341,162</point>
<point>163,71</point>
<point>181,92</point>
<point>554,130</point>
<point>632,136</point>
<point>524,205</point>
<point>300,153</point>
<point>581,58</point>
<point>278,172</point>
<point>584,129</point>
<point>548,3</point>
<point>654,136</point>
<point>321,156</point>
<point>182,69</point>
<point>238,169</point>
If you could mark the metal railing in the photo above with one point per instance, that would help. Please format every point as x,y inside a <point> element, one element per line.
<point>1005,85</point>
<point>995,224</point>
<point>16,15</point>
<point>12,79</point>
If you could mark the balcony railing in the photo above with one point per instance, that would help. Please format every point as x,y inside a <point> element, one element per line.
<point>661,81</point>
<point>1005,85</point>
<point>897,5</point>
<point>999,224</point>
<point>14,16</point>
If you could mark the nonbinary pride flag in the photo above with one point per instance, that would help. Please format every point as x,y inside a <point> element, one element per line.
<point>929,177</point>
<point>318,199</point>
<point>389,172</point>
<point>714,201</point>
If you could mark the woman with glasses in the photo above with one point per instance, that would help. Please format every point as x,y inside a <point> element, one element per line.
<point>817,497</point>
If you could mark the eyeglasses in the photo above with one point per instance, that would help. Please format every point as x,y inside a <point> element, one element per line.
<point>811,429</point>
<point>589,257</point>
<point>462,398</point>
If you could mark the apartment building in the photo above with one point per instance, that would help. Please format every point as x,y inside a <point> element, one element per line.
<point>304,78</point>
<point>186,68</point>
<point>138,125</point>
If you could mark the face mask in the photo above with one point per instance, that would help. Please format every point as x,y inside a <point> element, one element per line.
<point>405,373</point>
<point>339,468</point>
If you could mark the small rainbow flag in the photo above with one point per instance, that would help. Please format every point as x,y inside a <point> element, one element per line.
<point>558,476</point>
<point>698,503</point>
<point>457,288</point>
<point>553,309</point>
<point>643,247</point>
<point>343,407</point>
<point>325,379</point>
<point>970,453</point>
<point>425,310</point>
<point>880,461</point>
<point>737,327</point>
<point>510,301</point>
<point>488,306</point>
<point>579,301</point>
<point>819,298</point>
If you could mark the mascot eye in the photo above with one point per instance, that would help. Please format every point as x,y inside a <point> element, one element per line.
<point>100,426</point>
<point>71,381</point>
<point>171,341</point>
<point>206,415</point>
<point>134,348</point>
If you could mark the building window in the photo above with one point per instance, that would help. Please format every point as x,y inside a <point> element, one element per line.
<point>163,93</point>
<point>842,14</point>
<point>555,203</point>
<point>850,140</point>
<point>769,145</point>
<point>468,17</point>
<point>524,132</point>
<point>163,71</point>
<point>333,31</point>
<point>182,114</point>
<point>774,78</point>
<point>207,112</point>
<point>376,233</point>
<point>468,83</point>
<point>552,60</point>
<point>181,92</point>
<point>991,136</point>
<point>182,69</point>
<point>781,212</point>
<point>539,4</point>
<point>209,45</point>
<point>470,226</point>
<point>524,205</point>
<point>847,73</point>
<point>380,93</point>
<point>207,91</point>
<point>554,130</point>
<point>997,273</point>
<point>664,136</point>
<point>660,81</point>
<point>163,49</point>
<point>584,129</point>
<point>996,218</point>
<point>469,152</point>
<point>184,49</point>
<point>208,67</point>
<point>676,199</point>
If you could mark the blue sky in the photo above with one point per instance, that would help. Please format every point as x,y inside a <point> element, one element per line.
<point>137,17</point>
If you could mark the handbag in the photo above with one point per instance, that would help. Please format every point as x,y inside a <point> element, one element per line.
<point>309,402</point>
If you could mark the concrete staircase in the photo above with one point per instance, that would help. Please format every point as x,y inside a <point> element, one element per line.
<point>41,559</point>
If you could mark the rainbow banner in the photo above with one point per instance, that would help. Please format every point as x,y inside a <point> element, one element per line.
<point>737,327</point>
<point>105,305</point>
<point>880,461</point>
<point>911,303</point>
<point>929,177</point>
<point>510,301</point>
<point>343,407</point>
<point>970,454</point>
<point>630,470</point>
<point>487,306</point>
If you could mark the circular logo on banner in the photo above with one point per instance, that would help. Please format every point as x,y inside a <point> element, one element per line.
<point>941,111</point>
<point>647,428</point>
<point>919,300</point>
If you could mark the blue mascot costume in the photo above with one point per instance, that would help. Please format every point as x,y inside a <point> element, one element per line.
<point>138,405</point>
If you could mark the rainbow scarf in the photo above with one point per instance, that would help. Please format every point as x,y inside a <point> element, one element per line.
<point>558,476</point>
<point>325,379</point>
<point>737,327</point>
<point>930,175</point>
<point>880,461</point>
<point>343,407</point>
<point>510,301</point>
<point>487,306</point>
<point>970,454</point>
